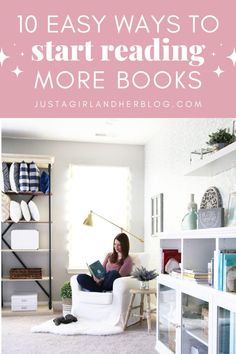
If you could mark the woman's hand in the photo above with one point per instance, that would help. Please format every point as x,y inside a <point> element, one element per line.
<point>98,280</point>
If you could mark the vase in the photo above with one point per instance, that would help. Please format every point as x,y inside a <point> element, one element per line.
<point>192,204</point>
<point>189,221</point>
<point>219,146</point>
<point>66,306</point>
<point>144,284</point>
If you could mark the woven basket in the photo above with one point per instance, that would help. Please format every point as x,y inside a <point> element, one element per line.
<point>25,273</point>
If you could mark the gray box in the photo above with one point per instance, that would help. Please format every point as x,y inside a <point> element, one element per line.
<point>208,218</point>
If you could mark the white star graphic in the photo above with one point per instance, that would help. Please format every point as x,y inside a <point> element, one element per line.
<point>17,71</point>
<point>213,54</point>
<point>3,57</point>
<point>233,57</point>
<point>218,71</point>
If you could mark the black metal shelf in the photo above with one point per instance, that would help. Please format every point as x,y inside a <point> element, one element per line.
<point>10,223</point>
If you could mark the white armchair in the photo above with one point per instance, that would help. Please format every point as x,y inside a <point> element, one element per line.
<point>111,306</point>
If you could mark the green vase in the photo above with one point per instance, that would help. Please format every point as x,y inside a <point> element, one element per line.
<point>189,221</point>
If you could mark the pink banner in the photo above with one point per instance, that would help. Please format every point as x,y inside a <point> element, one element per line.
<point>118,59</point>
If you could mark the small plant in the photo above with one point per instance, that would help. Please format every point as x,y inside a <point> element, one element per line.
<point>143,274</point>
<point>221,136</point>
<point>66,292</point>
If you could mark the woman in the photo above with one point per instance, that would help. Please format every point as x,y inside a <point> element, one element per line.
<point>117,264</point>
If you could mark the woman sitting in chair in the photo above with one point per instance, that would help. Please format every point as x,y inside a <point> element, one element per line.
<point>117,264</point>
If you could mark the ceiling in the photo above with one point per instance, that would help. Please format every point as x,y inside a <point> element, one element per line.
<point>99,130</point>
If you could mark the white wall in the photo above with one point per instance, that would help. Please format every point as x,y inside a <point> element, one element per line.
<point>88,154</point>
<point>167,157</point>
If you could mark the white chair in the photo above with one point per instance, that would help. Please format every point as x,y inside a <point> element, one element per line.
<point>111,306</point>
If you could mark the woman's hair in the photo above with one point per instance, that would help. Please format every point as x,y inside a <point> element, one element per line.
<point>124,242</point>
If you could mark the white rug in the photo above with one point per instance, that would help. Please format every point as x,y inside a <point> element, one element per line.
<point>80,327</point>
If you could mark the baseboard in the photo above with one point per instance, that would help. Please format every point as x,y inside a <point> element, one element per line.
<point>57,306</point>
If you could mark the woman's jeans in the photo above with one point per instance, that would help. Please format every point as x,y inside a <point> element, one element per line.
<point>87,282</point>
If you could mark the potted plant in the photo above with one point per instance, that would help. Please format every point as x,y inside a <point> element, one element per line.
<point>144,275</point>
<point>220,139</point>
<point>66,296</point>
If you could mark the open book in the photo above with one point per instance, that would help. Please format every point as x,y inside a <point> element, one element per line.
<point>97,270</point>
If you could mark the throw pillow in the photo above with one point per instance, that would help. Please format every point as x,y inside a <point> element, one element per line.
<point>5,177</point>
<point>24,177</point>
<point>25,210</point>
<point>34,176</point>
<point>5,207</point>
<point>14,177</point>
<point>44,182</point>
<point>15,211</point>
<point>34,211</point>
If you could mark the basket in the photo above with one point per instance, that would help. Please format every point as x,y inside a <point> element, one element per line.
<point>25,273</point>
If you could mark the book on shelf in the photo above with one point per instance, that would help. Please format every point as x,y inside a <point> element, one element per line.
<point>229,272</point>
<point>195,275</point>
<point>167,254</point>
<point>210,268</point>
<point>225,266</point>
<point>193,272</point>
<point>96,269</point>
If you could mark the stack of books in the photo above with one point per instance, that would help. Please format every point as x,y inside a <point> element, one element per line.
<point>196,276</point>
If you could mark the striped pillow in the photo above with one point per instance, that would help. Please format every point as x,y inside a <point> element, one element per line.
<point>5,178</point>
<point>24,177</point>
<point>34,176</point>
<point>14,177</point>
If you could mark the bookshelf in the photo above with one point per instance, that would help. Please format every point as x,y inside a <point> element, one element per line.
<point>197,247</point>
<point>26,258</point>
<point>194,317</point>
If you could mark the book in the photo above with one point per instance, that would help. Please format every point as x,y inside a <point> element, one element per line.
<point>224,261</point>
<point>97,270</point>
<point>229,272</point>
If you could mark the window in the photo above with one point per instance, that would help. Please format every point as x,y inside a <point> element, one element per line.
<point>106,191</point>
<point>157,214</point>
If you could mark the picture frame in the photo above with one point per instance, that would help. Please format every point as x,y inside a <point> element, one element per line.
<point>156,214</point>
<point>231,215</point>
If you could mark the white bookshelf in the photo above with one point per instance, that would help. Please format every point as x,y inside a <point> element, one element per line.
<point>179,299</point>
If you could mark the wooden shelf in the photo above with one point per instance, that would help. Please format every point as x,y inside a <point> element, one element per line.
<point>28,193</point>
<point>41,310</point>
<point>215,163</point>
<point>26,222</point>
<point>21,250</point>
<point>42,161</point>
<point>7,279</point>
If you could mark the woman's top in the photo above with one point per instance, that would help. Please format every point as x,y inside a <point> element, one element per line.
<point>124,269</point>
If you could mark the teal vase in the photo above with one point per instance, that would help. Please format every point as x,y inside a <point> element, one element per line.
<point>189,221</point>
